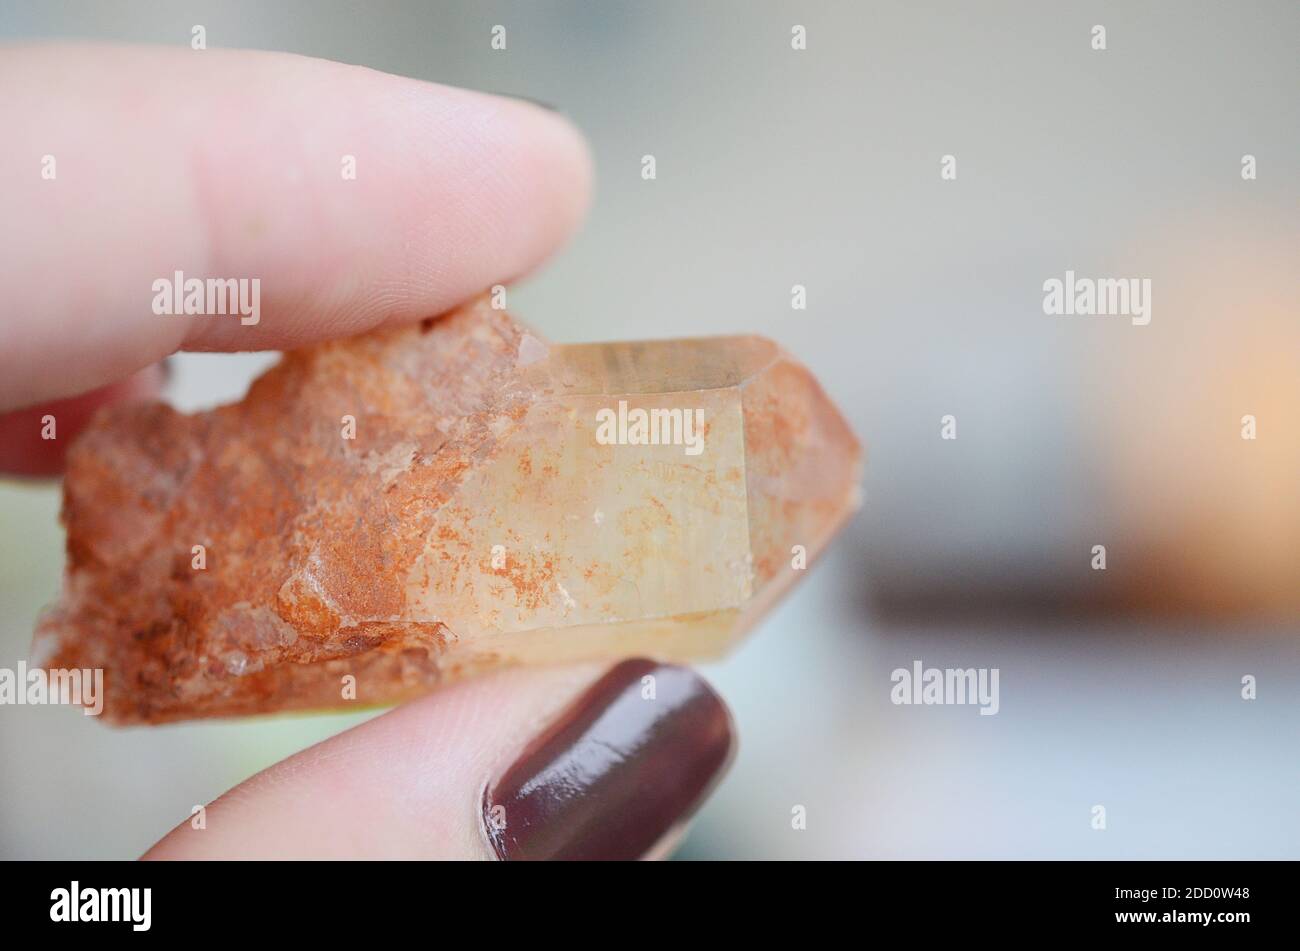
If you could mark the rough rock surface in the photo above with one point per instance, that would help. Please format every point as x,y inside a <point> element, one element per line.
<point>383,513</point>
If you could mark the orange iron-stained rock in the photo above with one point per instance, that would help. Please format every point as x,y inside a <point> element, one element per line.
<point>381,514</point>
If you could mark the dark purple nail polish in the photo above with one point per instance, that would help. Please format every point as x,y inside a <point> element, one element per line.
<point>528,99</point>
<point>624,766</point>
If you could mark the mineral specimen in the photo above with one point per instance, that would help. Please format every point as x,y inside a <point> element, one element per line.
<point>381,514</point>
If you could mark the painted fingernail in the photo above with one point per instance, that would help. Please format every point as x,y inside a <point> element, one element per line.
<point>623,768</point>
<point>528,99</point>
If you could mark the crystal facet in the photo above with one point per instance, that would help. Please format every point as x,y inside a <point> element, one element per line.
<point>381,514</point>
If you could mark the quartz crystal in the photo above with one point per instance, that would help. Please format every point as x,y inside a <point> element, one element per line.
<point>382,514</point>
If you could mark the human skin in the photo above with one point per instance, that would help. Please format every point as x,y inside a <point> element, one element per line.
<point>227,163</point>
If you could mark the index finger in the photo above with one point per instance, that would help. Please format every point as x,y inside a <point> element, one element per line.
<point>353,197</point>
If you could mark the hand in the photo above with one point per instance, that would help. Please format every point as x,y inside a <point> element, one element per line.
<point>230,164</point>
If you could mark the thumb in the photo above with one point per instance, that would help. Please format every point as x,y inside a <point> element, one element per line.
<point>563,763</point>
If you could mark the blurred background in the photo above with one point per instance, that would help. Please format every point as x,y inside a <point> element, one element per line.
<point>821,167</point>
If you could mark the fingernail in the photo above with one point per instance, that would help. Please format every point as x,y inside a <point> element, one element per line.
<point>619,771</point>
<point>528,99</point>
